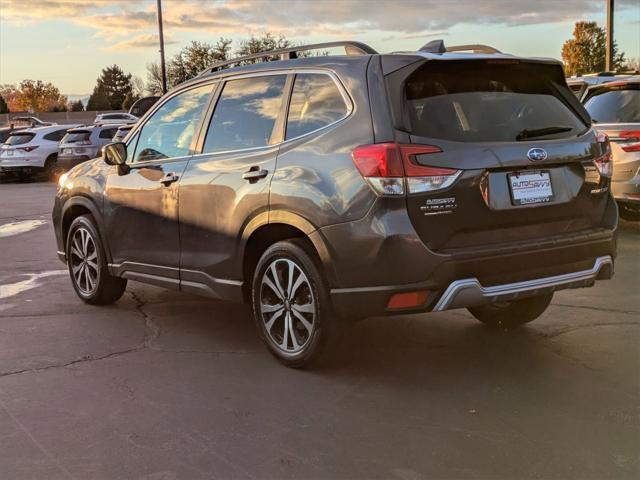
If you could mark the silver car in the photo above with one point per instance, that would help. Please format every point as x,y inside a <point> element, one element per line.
<point>115,119</point>
<point>615,110</point>
<point>84,143</point>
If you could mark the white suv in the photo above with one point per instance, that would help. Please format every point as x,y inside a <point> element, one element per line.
<point>33,150</point>
<point>115,118</point>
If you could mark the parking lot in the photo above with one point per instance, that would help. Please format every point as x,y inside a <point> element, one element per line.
<point>165,385</point>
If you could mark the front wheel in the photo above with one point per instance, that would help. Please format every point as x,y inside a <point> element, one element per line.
<point>512,314</point>
<point>291,304</point>
<point>88,266</point>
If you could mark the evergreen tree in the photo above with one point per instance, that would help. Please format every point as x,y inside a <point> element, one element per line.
<point>111,88</point>
<point>4,108</point>
<point>585,52</point>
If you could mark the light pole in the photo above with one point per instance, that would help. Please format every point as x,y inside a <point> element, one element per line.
<point>162,65</point>
<point>609,54</point>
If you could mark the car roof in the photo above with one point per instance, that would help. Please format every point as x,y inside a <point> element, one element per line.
<point>617,82</point>
<point>48,128</point>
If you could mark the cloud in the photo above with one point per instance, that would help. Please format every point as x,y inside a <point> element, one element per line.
<point>141,41</point>
<point>298,18</point>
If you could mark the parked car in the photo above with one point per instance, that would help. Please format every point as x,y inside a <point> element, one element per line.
<point>28,122</point>
<point>122,132</point>
<point>324,189</point>
<point>615,110</point>
<point>32,151</point>
<point>142,105</point>
<point>114,119</point>
<point>83,143</point>
<point>580,84</point>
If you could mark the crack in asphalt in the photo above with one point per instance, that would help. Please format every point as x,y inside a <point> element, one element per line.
<point>597,309</point>
<point>562,331</point>
<point>152,329</point>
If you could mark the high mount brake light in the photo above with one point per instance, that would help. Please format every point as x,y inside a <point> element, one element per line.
<point>603,162</point>
<point>389,166</point>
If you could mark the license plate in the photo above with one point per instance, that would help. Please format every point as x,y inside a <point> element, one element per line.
<point>9,153</point>
<point>529,188</point>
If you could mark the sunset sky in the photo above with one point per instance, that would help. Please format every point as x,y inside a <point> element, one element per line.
<point>68,42</point>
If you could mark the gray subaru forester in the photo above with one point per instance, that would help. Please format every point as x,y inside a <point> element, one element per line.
<point>325,189</point>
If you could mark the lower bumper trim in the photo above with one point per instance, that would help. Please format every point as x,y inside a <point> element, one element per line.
<point>469,292</point>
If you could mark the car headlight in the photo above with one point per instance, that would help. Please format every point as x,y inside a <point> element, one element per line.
<point>62,181</point>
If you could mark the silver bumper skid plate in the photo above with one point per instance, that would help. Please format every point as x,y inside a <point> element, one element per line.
<point>469,292</point>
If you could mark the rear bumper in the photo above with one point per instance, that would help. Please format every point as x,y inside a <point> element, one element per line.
<point>470,292</point>
<point>627,191</point>
<point>460,278</point>
<point>68,162</point>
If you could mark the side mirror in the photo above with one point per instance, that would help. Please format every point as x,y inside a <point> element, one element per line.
<point>115,153</point>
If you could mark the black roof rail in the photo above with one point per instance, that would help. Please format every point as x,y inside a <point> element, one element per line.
<point>438,47</point>
<point>350,47</point>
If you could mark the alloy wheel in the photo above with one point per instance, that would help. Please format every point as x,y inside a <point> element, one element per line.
<point>84,261</point>
<point>287,306</point>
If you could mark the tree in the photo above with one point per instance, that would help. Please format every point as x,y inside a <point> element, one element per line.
<point>4,108</point>
<point>187,63</point>
<point>585,52</point>
<point>37,96</point>
<point>261,44</point>
<point>76,106</point>
<point>129,100</point>
<point>112,86</point>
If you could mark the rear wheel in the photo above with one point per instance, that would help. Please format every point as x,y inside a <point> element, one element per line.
<point>51,168</point>
<point>88,267</point>
<point>629,213</point>
<point>512,314</point>
<point>291,304</point>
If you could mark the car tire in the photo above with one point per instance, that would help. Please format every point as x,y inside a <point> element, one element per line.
<point>51,168</point>
<point>87,265</point>
<point>628,213</point>
<point>507,315</point>
<point>291,305</point>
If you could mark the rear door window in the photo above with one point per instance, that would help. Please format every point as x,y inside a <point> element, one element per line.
<point>169,131</point>
<point>316,102</point>
<point>19,138</point>
<point>55,136</point>
<point>478,101</point>
<point>246,114</point>
<point>615,106</point>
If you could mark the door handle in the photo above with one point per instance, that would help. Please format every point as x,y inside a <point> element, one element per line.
<point>254,174</point>
<point>169,178</point>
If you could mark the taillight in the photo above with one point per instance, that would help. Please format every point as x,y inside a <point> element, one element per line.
<point>27,149</point>
<point>388,166</point>
<point>630,141</point>
<point>603,162</point>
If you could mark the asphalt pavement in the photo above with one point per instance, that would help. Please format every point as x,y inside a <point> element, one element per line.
<point>164,385</point>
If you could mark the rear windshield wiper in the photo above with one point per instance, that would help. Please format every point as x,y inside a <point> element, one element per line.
<point>541,132</point>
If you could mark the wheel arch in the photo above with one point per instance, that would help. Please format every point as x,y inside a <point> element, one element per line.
<point>275,226</point>
<point>80,205</point>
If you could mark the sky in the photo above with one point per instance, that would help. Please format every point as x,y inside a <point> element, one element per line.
<point>68,42</point>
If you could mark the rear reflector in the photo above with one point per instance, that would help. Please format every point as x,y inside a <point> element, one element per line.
<point>630,140</point>
<point>408,299</point>
<point>27,149</point>
<point>386,166</point>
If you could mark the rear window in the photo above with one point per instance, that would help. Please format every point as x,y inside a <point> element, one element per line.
<point>108,133</point>
<point>74,137</point>
<point>19,138</point>
<point>487,102</point>
<point>615,106</point>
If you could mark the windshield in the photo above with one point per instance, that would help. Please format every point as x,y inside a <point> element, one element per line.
<point>486,102</point>
<point>615,106</point>
<point>19,138</point>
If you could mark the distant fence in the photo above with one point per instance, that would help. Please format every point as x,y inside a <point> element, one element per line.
<point>57,117</point>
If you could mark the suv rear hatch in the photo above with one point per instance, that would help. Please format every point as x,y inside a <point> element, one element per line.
<point>515,144</point>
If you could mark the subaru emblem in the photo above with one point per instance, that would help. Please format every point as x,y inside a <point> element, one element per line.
<point>537,154</point>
